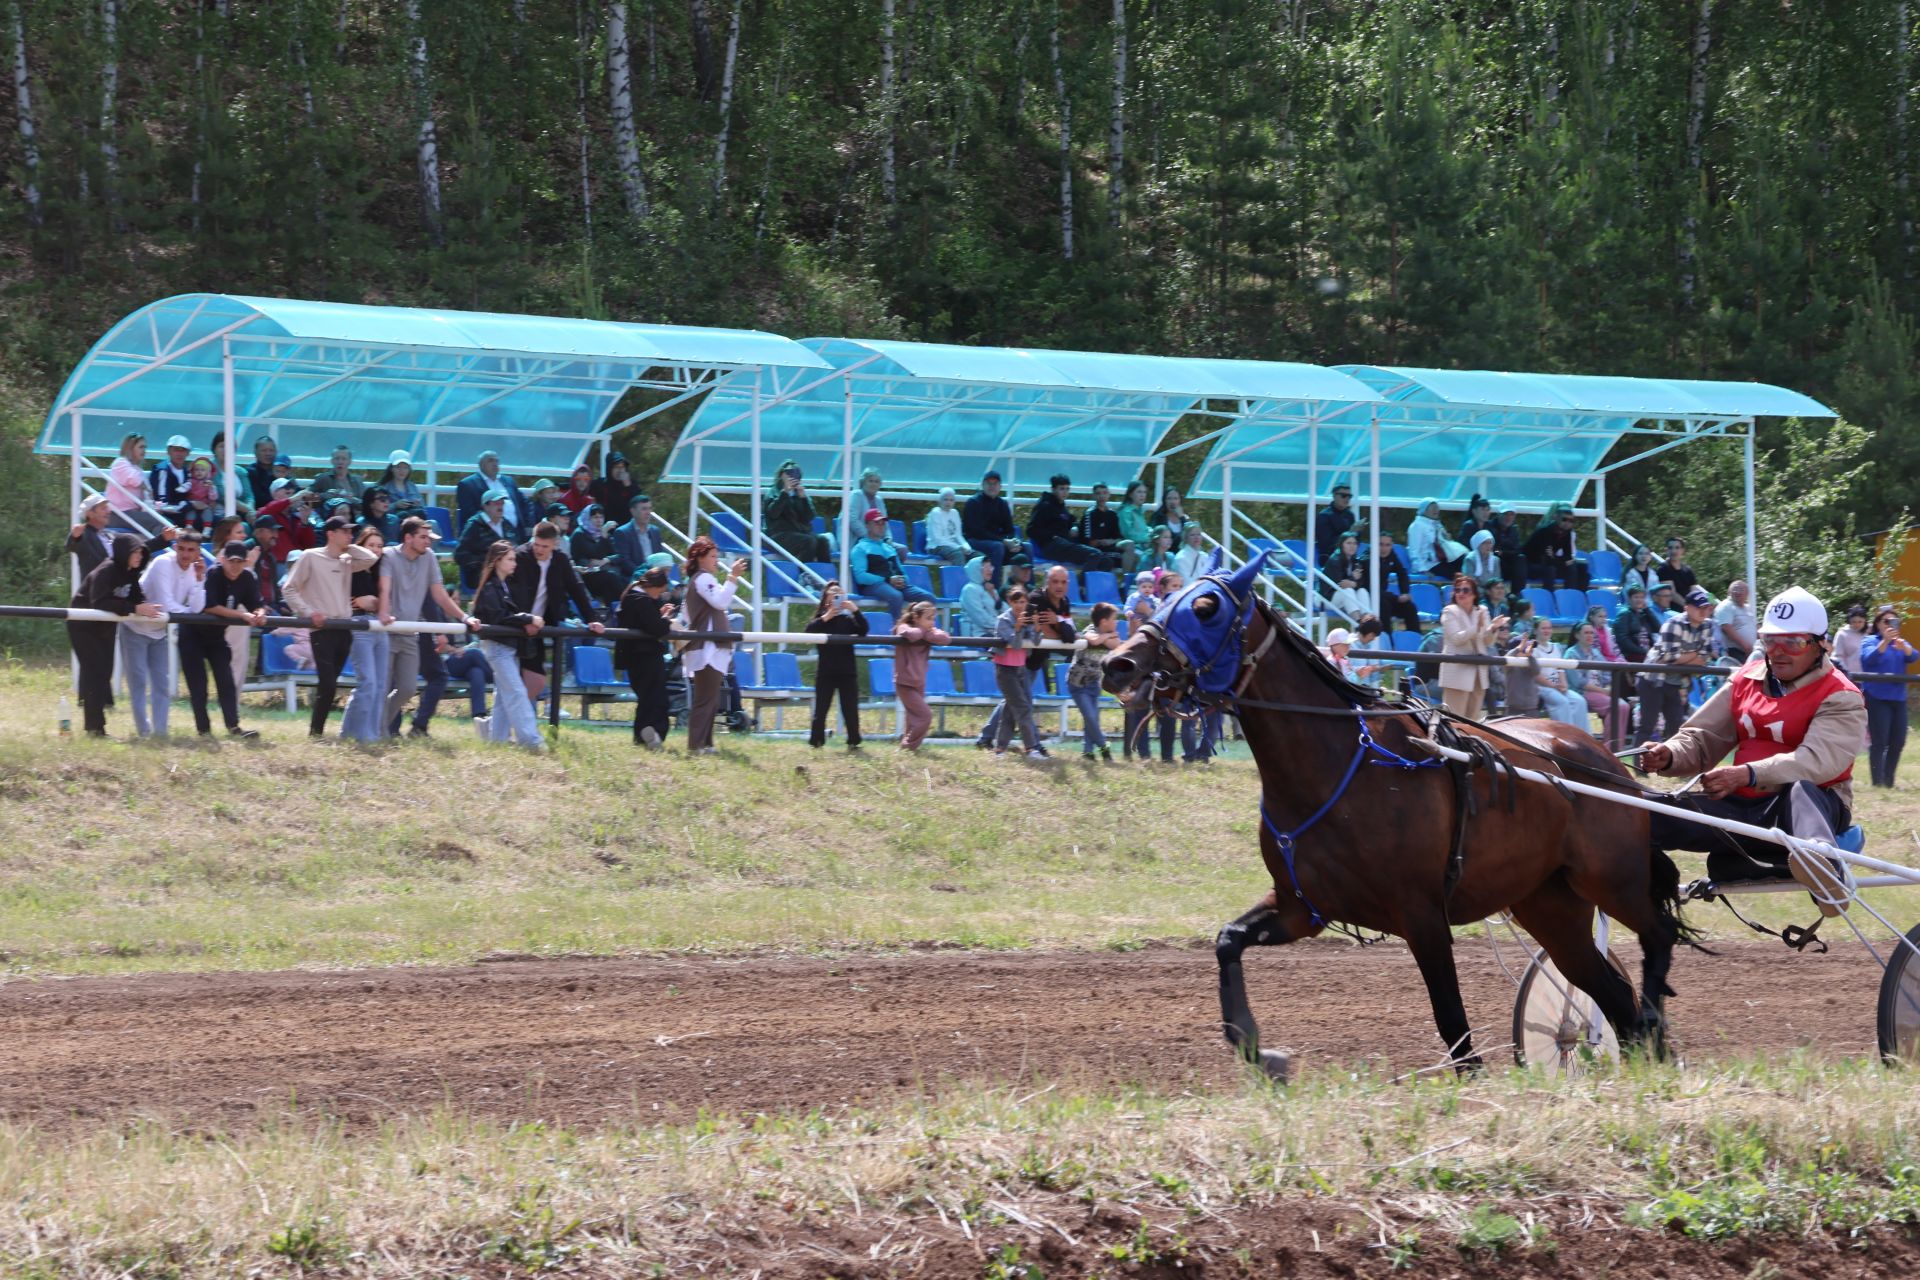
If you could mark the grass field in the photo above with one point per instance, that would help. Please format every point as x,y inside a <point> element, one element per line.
<point>125,857</point>
<point>129,856</point>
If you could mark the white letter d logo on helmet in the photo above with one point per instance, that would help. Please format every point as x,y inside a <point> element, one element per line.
<point>1795,612</point>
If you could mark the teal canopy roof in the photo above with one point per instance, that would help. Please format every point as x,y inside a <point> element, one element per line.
<point>928,415</point>
<point>1523,438</point>
<point>535,389</point>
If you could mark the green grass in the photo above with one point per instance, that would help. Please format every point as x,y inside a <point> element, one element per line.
<point>1507,1164</point>
<point>125,856</point>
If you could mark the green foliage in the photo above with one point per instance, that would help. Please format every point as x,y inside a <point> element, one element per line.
<point>304,1242</point>
<point>1008,1264</point>
<point>1487,1230</point>
<point>1810,479</point>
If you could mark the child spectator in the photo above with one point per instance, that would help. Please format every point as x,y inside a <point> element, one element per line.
<point>834,673</point>
<point>1849,640</point>
<point>1556,693</point>
<point>1019,628</point>
<point>1083,677</point>
<point>1195,555</point>
<point>197,505</point>
<point>1596,686</point>
<point>916,626</point>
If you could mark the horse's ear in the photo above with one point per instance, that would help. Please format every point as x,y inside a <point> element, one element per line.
<point>1244,577</point>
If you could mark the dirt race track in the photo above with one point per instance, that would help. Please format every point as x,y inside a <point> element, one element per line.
<point>578,1041</point>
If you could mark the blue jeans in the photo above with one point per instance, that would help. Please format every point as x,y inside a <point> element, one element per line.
<point>365,720</point>
<point>470,665</point>
<point>1087,699</point>
<point>1197,737</point>
<point>1565,707</point>
<point>147,662</point>
<point>894,598</point>
<point>513,717</point>
<point>1887,727</point>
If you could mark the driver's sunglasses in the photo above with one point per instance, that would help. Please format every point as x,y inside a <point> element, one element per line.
<point>1786,644</point>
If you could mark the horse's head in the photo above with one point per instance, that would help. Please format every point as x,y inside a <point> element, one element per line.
<point>1193,643</point>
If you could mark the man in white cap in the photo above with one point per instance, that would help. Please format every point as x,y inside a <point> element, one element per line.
<point>1794,723</point>
<point>168,480</point>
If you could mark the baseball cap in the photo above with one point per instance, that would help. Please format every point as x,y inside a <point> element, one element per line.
<point>283,485</point>
<point>493,495</point>
<point>339,503</point>
<point>1699,598</point>
<point>399,456</point>
<point>265,522</point>
<point>873,513</point>
<point>991,475</point>
<point>179,442</point>
<point>234,551</point>
<point>616,456</point>
<point>558,509</point>
<point>91,501</point>
<point>1019,558</point>
<point>1339,635</point>
<point>340,523</point>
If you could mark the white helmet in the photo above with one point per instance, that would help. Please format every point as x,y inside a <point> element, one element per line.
<point>1339,635</point>
<point>1794,612</point>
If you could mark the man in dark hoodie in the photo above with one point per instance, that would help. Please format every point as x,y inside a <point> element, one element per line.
<point>113,586</point>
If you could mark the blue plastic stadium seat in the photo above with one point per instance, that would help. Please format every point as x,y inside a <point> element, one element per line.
<point>1542,601</point>
<point>729,531</point>
<point>939,679</point>
<point>780,671</point>
<point>878,623</point>
<point>273,656</point>
<point>1569,606</point>
<point>897,531</point>
<point>1603,568</point>
<point>952,578</point>
<point>1074,592</point>
<point>1608,600</point>
<point>1043,687</point>
<point>1298,546</point>
<point>823,571</point>
<point>978,680</point>
<point>919,544</point>
<point>783,578</point>
<point>919,575</point>
<point>1102,586</point>
<point>1407,641</point>
<point>819,524</point>
<point>1427,600</point>
<point>593,666</point>
<point>442,520</point>
<point>1400,554</point>
<point>880,676</point>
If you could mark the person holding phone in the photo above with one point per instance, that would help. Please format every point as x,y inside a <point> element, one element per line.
<point>705,663</point>
<point>1886,652</point>
<point>835,675</point>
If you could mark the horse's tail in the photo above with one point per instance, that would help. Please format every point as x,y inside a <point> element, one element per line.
<point>1667,902</point>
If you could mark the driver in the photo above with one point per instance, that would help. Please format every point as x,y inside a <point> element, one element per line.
<point>1794,723</point>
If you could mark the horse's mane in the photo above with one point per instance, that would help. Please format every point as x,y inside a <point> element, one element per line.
<point>1356,695</point>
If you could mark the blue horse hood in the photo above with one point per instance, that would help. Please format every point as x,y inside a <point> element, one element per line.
<point>1211,644</point>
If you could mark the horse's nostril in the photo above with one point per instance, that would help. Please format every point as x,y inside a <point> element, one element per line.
<point>1117,666</point>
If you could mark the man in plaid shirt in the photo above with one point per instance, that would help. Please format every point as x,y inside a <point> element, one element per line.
<point>1684,641</point>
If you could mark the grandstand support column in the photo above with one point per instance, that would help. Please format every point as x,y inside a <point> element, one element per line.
<point>693,500</point>
<point>755,539</point>
<point>232,479</point>
<point>1373,520</point>
<point>846,489</point>
<point>1600,539</point>
<point>1310,588</point>
<point>433,474</point>
<point>1226,515</point>
<point>73,562</point>
<point>1753,559</point>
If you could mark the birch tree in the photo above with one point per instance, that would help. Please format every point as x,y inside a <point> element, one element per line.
<point>23,112</point>
<point>726,101</point>
<point>582,40</point>
<point>110,101</point>
<point>705,83</point>
<point>1696,131</point>
<point>429,135</point>
<point>1066,142</point>
<point>1903,152</point>
<point>889,189</point>
<point>626,142</point>
<point>1117,121</point>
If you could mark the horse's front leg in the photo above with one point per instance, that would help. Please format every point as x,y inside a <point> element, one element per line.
<point>1433,951</point>
<point>1260,927</point>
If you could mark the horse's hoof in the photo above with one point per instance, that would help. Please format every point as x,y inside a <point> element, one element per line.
<point>1277,1064</point>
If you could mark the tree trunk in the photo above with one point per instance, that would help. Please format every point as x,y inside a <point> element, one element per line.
<point>429,135</point>
<point>889,189</point>
<point>110,101</point>
<point>582,40</point>
<point>726,101</point>
<point>1696,130</point>
<point>1117,126</point>
<point>1903,153</point>
<point>206,99</point>
<point>626,142</point>
<point>1066,142</point>
<point>23,110</point>
<point>705,83</point>
<point>1020,41</point>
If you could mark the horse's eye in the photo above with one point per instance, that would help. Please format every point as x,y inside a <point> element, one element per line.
<point>1206,606</point>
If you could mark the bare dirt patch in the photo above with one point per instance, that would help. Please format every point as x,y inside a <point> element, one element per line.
<point>579,1041</point>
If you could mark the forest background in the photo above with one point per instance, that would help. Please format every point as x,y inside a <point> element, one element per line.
<point>1693,189</point>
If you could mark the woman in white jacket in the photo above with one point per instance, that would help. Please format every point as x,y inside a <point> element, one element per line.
<point>1428,547</point>
<point>1465,628</point>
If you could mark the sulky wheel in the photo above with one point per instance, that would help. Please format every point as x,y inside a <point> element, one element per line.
<point>1554,1022</point>
<point>1899,1017</point>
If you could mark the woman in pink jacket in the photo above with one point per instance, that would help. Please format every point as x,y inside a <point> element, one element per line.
<point>910,670</point>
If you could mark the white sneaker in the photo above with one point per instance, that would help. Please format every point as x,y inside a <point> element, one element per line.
<point>481,724</point>
<point>650,736</point>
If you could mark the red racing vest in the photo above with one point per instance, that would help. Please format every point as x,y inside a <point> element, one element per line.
<point>1765,726</point>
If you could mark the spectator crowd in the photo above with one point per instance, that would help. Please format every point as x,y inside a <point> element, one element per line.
<point>547,557</point>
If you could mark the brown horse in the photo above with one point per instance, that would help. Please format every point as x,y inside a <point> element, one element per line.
<point>1377,836</point>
